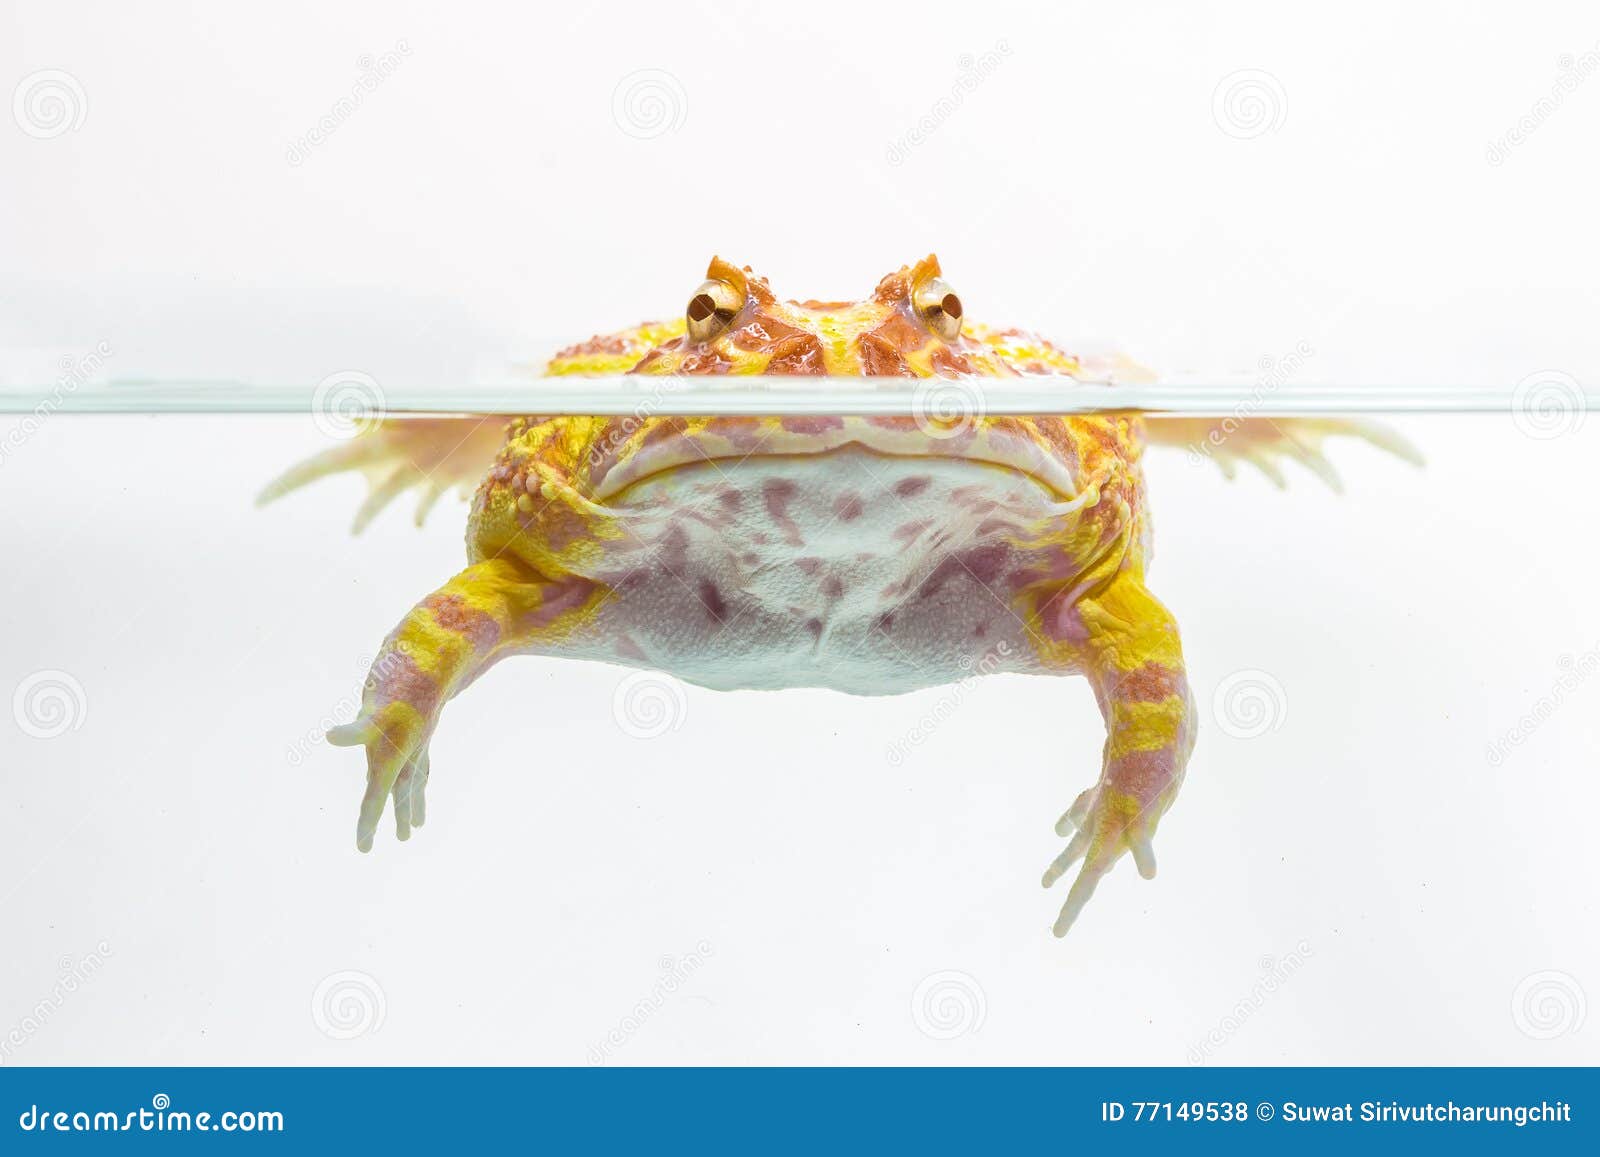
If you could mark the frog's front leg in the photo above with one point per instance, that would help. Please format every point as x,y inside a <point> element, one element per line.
<point>490,610</point>
<point>1126,642</point>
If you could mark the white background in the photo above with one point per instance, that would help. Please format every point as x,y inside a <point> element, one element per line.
<point>492,194</point>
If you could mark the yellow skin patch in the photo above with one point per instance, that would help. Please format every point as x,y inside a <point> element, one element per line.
<point>867,554</point>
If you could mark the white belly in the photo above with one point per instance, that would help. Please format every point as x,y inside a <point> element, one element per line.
<point>849,570</point>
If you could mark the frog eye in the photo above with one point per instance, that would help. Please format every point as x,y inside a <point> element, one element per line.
<point>712,310</point>
<point>939,308</point>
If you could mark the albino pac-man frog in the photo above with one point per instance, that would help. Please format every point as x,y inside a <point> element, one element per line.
<point>871,555</point>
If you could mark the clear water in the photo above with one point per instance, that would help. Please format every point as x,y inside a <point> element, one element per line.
<point>1546,398</point>
<point>1383,848</point>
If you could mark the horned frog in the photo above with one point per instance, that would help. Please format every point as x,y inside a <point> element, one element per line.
<point>870,555</point>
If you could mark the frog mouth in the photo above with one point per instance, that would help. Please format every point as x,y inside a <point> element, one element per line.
<point>662,445</point>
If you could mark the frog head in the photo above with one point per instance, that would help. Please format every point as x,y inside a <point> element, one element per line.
<point>912,325</point>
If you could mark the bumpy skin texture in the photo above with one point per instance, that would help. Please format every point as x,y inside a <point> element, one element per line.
<point>869,555</point>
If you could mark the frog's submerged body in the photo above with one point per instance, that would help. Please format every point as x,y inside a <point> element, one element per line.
<point>865,554</point>
<point>840,567</point>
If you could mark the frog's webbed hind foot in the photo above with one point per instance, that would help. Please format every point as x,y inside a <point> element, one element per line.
<point>488,611</point>
<point>1131,651</point>
<point>1102,824</point>
<point>427,455</point>
<point>402,764</point>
